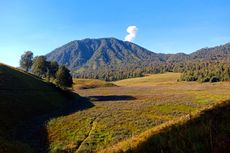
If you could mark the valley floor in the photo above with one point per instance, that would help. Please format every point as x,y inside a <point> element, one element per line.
<point>130,108</point>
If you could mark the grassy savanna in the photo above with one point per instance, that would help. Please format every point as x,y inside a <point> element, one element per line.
<point>130,108</point>
<point>24,97</point>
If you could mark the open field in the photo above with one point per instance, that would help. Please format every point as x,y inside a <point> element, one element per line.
<point>130,108</point>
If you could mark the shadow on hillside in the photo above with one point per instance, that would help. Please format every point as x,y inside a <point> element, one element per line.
<point>206,132</point>
<point>111,98</point>
<point>34,132</point>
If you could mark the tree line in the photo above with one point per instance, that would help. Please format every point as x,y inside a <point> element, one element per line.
<point>202,71</point>
<point>49,70</point>
<point>126,71</point>
<point>111,74</point>
<point>209,71</point>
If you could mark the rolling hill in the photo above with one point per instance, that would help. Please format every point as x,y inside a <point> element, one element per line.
<point>24,97</point>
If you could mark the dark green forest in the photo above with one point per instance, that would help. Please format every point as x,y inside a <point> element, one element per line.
<point>202,71</point>
<point>214,71</point>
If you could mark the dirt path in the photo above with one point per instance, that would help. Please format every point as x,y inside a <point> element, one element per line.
<point>93,125</point>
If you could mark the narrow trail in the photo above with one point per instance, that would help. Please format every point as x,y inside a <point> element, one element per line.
<point>93,125</point>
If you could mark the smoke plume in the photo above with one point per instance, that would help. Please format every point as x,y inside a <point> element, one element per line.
<point>132,30</point>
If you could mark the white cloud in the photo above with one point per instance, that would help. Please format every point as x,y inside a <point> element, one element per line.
<point>132,30</point>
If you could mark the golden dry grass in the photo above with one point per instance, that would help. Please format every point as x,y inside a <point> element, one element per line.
<point>90,83</point>
<point>150,80</point>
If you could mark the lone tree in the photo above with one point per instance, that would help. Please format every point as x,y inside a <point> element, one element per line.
<point>26,60</point>
<point>63,77</point>
<point>39,67</point>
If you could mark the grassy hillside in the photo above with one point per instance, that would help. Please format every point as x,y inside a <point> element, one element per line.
<point>131,108</point>
<point>90,83</point>
<point>150,80</point>
<point>204,131</point>
<point>24,97</point>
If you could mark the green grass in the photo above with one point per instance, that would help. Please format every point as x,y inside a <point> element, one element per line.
<point>171,108</point>
<point>152,101</point>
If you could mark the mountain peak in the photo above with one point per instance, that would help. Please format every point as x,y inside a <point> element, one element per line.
<point>94,53</point>
<point>100,39</point>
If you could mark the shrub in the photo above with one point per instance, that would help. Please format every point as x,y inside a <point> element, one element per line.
<point>63,77</point>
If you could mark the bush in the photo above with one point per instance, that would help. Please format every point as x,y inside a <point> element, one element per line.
<point>63,77</point>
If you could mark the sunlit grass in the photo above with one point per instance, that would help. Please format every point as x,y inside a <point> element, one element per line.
<point>157,99</point>
<point>200,131</point>
<point>90,83</point>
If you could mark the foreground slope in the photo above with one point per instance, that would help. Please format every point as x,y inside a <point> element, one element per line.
<point>204,131</point>
<point>130,108</point>
<point>23,97</point>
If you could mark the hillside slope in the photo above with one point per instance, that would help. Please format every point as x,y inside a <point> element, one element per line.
<point>24,97</point>
<point>205,131</point>
<point>214,53</point>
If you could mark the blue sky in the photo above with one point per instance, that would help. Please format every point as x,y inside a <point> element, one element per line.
<point>166,26</point>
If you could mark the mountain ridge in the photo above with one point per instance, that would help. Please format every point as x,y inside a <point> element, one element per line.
<point>107,55</point>
<point>102,49</point>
